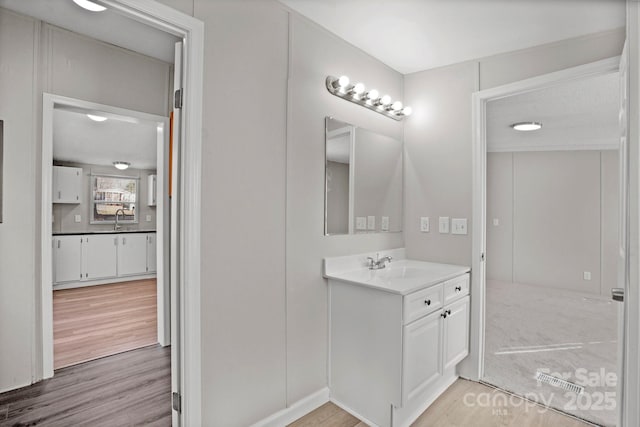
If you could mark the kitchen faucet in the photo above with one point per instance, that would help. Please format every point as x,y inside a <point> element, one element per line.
<point>117,226</point>
<point>378,263</point>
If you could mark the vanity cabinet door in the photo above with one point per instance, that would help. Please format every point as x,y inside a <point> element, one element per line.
<point>456,332</point>
<point>132,254</point>
<point>67,262</point>
<point>100,255</point>
<point>421,355</point>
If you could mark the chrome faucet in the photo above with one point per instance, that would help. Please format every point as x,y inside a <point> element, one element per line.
<point>378,263</point>
<point>117,226</point>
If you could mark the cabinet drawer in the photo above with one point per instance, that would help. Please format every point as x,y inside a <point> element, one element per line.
<point>456,288</point>
<point>422,302</point>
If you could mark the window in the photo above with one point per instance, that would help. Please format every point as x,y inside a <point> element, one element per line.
<point>113,195</point>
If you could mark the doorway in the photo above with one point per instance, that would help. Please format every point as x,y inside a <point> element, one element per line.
<point>532,328</point>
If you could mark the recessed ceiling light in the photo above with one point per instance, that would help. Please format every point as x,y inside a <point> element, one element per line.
<point>90,6</point>
<point>121,165</point>
<point>526,126</point>
<point>96,118</point>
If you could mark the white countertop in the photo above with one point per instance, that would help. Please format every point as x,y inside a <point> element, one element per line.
<point>401,276</point>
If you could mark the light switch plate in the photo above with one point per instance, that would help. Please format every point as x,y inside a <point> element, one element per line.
<point>424,224</point>
<point>496,222</point>
<point>77,218</point>
<point>371,222</point>
<point>361,223</point>
<point>443,224</point>
<point>587,275</point>
<point>384,223</point>
<point>459,226</point>
<point>148,218</point>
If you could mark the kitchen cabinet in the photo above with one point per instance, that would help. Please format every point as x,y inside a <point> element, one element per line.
<point>405,347</point>
<point>151,253</point>
<point>67,184</point>
<point>67,258</point>
<point>152,190</point>
<point>100,256</point>
<point>132,254</point>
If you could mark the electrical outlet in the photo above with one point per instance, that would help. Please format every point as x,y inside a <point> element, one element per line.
<point>361,223</point>
<point>148,218</point>
<point>587,275</point>
<point>77,218</point>
<point>459,226</point>
<point>496,222</point>
<point>443,224</point>
<point>371,222</point>
<point>424,224</point>
<point>384,223</point>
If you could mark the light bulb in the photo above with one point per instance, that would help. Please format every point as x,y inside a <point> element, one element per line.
<point>90,6</point>
<point>385,100</point>
<point>407,111</point>
<point>343,81</point>
<point>358,88</point>
<point>397,106</point>
<point>96,118</point>
<point>373,94</point>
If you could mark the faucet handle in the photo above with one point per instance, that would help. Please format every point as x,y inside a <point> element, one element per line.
<point>370,261</point>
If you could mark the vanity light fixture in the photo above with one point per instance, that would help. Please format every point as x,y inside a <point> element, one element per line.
<point>96,118</point>
<point>526,126</point>
<point>340,87</point>
<point>90,6</point>
<point>121,165</point>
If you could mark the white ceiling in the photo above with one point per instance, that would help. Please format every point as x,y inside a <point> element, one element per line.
<point>415,35</point>
<point>108,26</point>
<point>578,115</point>
<point>76,138</point>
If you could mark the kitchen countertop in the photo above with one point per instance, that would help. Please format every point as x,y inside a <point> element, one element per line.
<point>401,276</point>
<point>79,233</point>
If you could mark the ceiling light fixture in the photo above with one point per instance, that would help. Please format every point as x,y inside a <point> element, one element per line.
<point>340,87</point>
<point>90,6</point>
<point>526,126</point>
<point>121,165</point>
<point>96,118</point>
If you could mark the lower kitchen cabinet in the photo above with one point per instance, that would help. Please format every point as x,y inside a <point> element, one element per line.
<point>67,259</point>
<point>100,256</point>
<point>132,254</point>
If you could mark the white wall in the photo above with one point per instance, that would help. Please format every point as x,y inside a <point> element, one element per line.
<point>556,211</point>
<point>36,57</point>
<point>18,43</point>
<point>438,135</point>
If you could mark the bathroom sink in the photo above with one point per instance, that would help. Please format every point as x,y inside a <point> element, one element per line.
<point>401,275</point>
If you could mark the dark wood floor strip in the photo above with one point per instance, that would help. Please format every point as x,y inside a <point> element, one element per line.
<point>127,389</point>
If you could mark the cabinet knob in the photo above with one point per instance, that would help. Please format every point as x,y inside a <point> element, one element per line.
<point>427,301</point>
<point>458,288</point>
<point>443,314</point>
<point>448,312</point>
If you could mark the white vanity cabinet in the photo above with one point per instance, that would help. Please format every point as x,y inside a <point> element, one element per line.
<point>392,353</point>
<point>67,184</point>
<point>99,256</point>
<point>67,259</point>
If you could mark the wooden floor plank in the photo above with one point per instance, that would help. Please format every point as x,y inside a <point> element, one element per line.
<point>98,321</point>
<point>131,388</point>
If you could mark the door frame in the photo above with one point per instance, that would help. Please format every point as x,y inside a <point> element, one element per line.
<point>191,31</point>
<point>473,366</point>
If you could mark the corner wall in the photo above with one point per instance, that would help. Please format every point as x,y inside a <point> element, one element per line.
<point>438,135</point>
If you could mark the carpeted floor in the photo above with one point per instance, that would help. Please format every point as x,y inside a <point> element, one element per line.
<point>563,333</point>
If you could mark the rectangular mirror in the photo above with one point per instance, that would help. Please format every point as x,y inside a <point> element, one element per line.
<point>363,180</point>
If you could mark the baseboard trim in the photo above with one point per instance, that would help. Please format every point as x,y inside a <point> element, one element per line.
<point>297,410</point>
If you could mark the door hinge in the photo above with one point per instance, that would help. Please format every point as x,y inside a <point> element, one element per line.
<point>178,98</point>
<point>176,400</point>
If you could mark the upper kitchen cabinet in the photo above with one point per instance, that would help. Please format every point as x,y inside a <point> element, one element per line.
<point>67,184</point>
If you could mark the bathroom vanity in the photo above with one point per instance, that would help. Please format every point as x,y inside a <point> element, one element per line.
<point>396,334</point>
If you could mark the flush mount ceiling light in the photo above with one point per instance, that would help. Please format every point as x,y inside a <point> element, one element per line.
<point>90,6</point>
<point>341,87</point>
<point>526,126</point>
<point>121,165</point>
<point>96,118</point>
